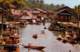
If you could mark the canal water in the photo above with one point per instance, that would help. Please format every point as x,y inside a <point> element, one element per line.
<point>48,40</point>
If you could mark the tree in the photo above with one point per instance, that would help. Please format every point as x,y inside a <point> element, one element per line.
<point>6,5</point>
<point>77,9</point>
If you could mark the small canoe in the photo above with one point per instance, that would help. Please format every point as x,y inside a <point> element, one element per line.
<point>34,47</point>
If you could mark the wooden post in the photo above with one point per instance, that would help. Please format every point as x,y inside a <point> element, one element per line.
<point>42,51</point>
<point>69,50</point>
<point>29,47</point>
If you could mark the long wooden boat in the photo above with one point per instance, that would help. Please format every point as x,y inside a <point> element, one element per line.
<point>34,47</point>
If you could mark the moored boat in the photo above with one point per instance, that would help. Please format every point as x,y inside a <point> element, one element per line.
<point>34,47</point>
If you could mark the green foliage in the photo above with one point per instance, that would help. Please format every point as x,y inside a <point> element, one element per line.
<point>77,9</point>
<point>19,3</point>
<point>6,5</point>
<point>25,4</point>
<point>43,6</point>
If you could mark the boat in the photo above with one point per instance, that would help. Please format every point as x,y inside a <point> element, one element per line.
<point>34,47</point>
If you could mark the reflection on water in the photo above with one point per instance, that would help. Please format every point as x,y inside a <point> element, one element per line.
<point>48,40</point>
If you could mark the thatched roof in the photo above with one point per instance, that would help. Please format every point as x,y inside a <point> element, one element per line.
<point>69,11</point>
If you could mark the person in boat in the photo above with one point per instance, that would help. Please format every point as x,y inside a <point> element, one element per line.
<point>45,28</point>
<point>35,36</point>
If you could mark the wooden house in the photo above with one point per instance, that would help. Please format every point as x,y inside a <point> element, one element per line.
<point>66,14</point>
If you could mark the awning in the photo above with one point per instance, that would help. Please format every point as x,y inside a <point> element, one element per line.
<point>25,17</point>
<point>35,12</point>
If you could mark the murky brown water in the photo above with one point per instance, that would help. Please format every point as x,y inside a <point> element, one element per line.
<point>48,40</point>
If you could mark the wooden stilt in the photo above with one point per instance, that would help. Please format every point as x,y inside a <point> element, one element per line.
<point>28,49</point>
